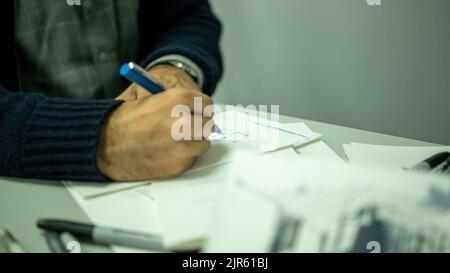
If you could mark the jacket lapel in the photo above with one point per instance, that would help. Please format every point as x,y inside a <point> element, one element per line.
<point>8,71</point>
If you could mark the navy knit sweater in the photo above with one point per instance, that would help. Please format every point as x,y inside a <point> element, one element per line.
<point>56,138</point>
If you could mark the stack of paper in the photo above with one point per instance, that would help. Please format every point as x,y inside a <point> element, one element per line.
<point>330,207</point>
<point>133,209</point>
<point>181,208</point>
<point>185,204</point>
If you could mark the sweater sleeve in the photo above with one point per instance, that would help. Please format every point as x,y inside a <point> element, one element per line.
<point>50,138</point>
<point>188,28</point>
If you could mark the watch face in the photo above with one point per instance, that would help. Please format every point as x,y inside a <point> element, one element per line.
<point>185,67</point>
<point>179,65</point>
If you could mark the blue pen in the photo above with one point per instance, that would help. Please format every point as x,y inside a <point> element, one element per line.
<point>136,74</point>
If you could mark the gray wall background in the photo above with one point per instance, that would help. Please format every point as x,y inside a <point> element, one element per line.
<point>384,69</point>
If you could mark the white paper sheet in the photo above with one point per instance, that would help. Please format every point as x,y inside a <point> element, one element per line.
<point>122,210</point>
<point>393,157</point>
<point>93,190</point>
<point>133,210</point>
<point>267,134</point>
<point>186,205</point>
<point>319,150</point>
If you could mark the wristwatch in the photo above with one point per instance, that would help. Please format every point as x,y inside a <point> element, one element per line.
<point>191,71</point>
<point>183,63</point>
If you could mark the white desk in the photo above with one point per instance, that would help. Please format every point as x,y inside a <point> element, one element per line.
<point>23,202</point>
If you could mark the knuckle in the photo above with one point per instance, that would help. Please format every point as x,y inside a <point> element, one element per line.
<point>208,100</point>
<point>183,148</point>
<point>181,94</point>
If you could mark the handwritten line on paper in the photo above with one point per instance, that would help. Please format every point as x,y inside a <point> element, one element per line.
<point>281,130</point>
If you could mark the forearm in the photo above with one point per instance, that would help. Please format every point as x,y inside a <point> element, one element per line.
<point>50,138</point>
<point>190,30</point>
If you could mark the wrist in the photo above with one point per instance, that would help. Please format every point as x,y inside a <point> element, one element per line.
<point>184,63</point>
<point>170,77</point>
<point>106,144</point>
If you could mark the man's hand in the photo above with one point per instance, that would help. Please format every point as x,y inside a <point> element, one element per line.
<point>136,141</point>
<point>166,75</point>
